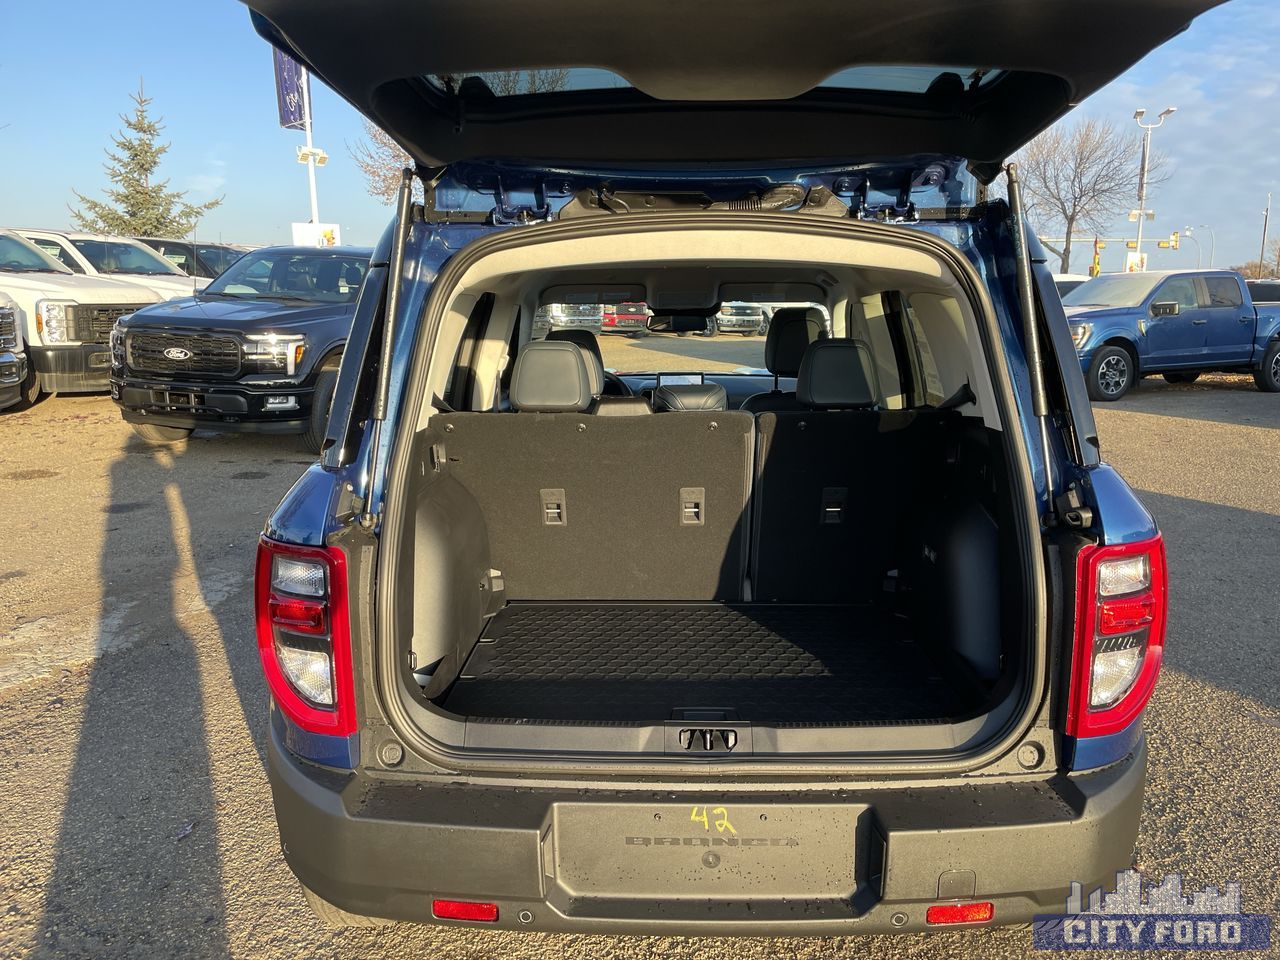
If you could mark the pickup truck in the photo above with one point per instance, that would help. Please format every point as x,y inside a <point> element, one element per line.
<point>13,361</point>
<point>1179,323</point>
<point>64,318</point>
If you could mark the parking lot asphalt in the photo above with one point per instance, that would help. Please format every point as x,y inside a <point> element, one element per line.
<point>138,820</point>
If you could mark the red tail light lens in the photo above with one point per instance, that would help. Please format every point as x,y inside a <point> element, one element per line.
<point>304,638</point>
<point>464,910</point>
<point>960,913</point>
<point>1120,623</point>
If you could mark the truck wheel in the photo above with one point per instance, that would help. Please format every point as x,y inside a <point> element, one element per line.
<point>321,403</point>
<point>1268,376</point>
<point>30,391</point>
<point>1111,374</point>
<point>1181,377</point>
<point>154,433</point>
<point>335,917</point>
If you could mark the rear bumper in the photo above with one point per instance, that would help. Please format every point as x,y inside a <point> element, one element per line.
<point>230,407</point>
<point>80,368</point>
<point>633,862</point>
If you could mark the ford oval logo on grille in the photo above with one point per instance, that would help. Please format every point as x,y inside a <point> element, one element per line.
<point>177,353</point>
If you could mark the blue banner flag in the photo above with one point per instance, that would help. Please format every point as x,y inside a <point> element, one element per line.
<point>290,78</point>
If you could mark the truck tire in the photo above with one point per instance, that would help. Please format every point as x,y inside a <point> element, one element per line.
<point>1182,377</point>
<point>321,403</point>
<point>336,918</point>
<point>1112,374</point>
<point>154,433</point>
<point>1267,377</point>
<point>30,391</point>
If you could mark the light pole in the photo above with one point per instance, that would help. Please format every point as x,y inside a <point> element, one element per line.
<point>1186,232</point>
<point>1146,159</point>
<point>1262,254</point>
<point>1213,242</point>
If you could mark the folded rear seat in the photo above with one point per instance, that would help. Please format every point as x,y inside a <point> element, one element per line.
<point>827,484</point>
<point>570,514</point>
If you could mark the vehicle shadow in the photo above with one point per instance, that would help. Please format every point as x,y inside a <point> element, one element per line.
<point>1219,558</point>
<point>1215,398</point>
<point>136,867</point>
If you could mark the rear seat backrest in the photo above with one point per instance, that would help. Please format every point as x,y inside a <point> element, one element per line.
<point>580,507</point>
<point>826,485</point>
<point>791,331</point>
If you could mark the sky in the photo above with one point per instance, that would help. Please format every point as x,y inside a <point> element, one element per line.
<point>211,80</point>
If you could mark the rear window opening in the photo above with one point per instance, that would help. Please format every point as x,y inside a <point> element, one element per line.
<point>642,547</point>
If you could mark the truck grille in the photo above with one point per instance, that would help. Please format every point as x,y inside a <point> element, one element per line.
<point>93,322</point>
<point>8,330</point>
<point>207,353</point>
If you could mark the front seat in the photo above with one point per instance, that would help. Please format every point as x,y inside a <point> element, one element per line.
<point>790,333</point>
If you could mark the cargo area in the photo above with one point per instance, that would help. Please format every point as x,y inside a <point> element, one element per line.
<point>823,556</point>
<point>649,663</point>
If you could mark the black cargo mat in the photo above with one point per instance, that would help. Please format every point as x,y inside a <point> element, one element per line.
<point>762,663</point>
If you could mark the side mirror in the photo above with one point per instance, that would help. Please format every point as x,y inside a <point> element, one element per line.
<point>1166,308</point>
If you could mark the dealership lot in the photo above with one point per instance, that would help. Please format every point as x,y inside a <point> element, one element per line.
<point>132,711</point>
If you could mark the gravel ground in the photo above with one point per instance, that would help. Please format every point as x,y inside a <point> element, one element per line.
<point>139,822</point>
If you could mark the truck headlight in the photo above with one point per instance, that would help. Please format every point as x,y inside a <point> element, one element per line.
<point>53,321</point>
<point>117,341</point>
<point>1080,333</point>
<point>276,351</point>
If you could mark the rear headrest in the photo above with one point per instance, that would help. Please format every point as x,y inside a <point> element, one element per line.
<point>690,396</point>
<point>791,331</point>
<point>586,341</point>
<point>551,377</point>
<point>837,375</point>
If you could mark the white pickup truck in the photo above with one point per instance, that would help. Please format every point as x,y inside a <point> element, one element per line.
<point>13,360</point>
<point>97,255</point>
<point>64,318</point>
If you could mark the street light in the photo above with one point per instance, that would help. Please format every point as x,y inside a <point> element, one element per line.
<point>1213,242</point>
<point>1146,159</point>
<point>1186,232</point>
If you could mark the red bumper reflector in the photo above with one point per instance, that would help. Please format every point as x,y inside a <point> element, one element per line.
<point>1126,614</point>
<point>464,910</point>
<point>960,913</point>
<point>295,613</point>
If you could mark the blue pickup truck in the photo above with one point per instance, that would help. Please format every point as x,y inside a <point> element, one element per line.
<point>1177,323</point>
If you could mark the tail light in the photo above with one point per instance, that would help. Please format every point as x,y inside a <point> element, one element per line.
<point>1120,622</point>
<point>304,636</point>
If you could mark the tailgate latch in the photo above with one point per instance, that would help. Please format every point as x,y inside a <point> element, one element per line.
<point>708,739</point>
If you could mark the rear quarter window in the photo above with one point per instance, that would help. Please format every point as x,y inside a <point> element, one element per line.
<point>1223,292</point>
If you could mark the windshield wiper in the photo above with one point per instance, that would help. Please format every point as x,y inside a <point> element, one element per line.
<point>283,297</point>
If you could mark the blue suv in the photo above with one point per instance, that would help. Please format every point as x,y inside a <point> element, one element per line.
<point>846,629</point>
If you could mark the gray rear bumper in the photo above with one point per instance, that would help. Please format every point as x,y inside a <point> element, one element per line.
<point>828,863</point>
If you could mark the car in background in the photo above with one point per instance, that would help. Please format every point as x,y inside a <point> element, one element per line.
<point>95,254</point>
<point>629,318</point>
<point>204,260</point>
<point>1066,282</point>
<point>569,316</point>
<point>13,360</point>
<point>1179,323</point>
<point>64,318</point>
<point>748,319</point>
<point>256,351</point>
<point>1264,291</point>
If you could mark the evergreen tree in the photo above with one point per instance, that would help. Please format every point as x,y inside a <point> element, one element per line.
<point>139,205</point>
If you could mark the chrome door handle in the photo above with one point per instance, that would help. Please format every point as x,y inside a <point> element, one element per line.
<point>1199,323</point>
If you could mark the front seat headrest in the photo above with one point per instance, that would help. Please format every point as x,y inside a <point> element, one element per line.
<point>586,341</point>
<point>551,377</point>
<point>690,396</point>
<point>791,331</point>
<point>837,375</point>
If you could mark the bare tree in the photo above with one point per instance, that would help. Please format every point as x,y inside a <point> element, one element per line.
<point>381,159</point>
<point>1082,176</point>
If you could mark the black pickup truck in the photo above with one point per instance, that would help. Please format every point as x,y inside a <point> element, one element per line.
<point>255,351</point>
